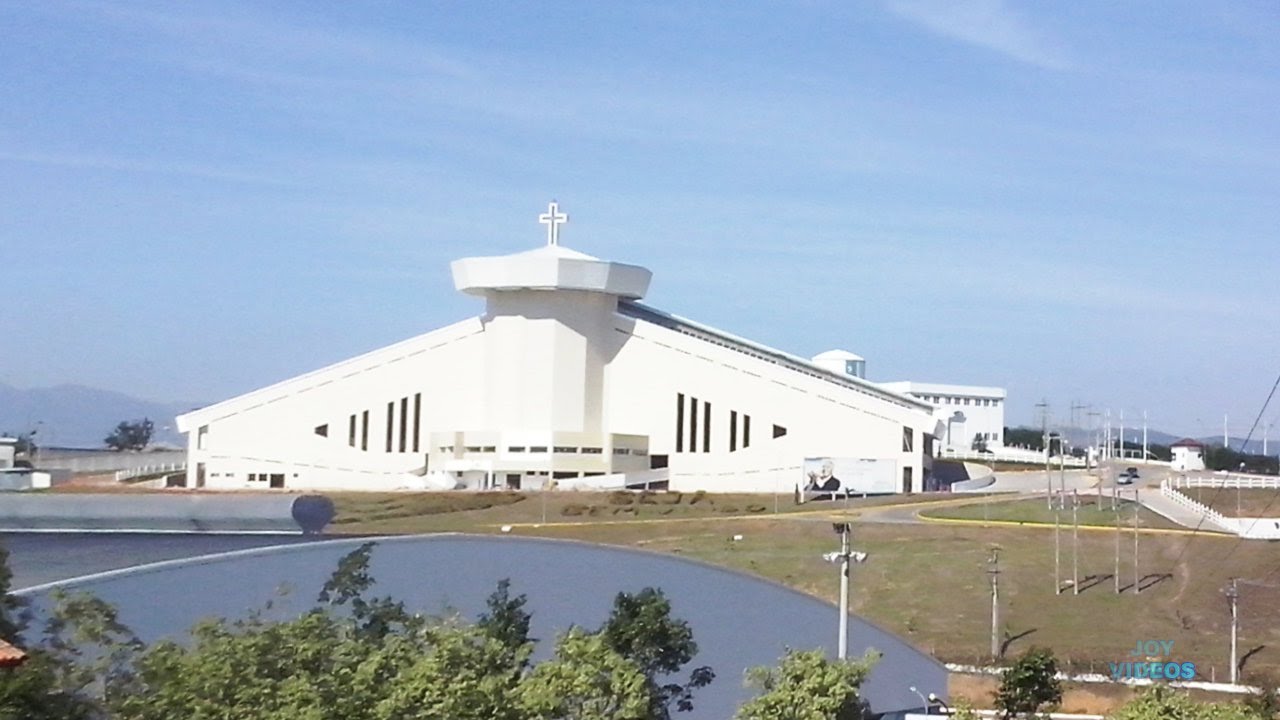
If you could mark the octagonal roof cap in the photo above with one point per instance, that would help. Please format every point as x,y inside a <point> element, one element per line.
<point>550,267</point>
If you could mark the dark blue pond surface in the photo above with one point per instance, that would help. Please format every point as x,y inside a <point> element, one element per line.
<point>38,558</point>
<point>738,621</point>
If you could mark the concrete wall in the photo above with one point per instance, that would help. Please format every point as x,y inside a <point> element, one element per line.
<point>160,513</point>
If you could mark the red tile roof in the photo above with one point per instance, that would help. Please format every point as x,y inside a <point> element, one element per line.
<point>1188,442</point>
<point>11,656</point>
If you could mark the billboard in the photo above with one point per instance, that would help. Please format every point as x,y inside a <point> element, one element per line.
<point>851,476</point>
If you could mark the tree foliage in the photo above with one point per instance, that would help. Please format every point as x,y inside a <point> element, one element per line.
<point>134,435</point>
<point>1164,703</point>
<point>351,657</point>
<point>807,685</point>
<point>1030,684</point>
<point>641,629</point>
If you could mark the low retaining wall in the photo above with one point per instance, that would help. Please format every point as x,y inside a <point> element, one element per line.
<point>179,513</point>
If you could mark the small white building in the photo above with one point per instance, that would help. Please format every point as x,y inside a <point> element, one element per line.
<point>8,449</point>
<point>969,414</point>
<point>565,376</point>
<point>1188,455</point>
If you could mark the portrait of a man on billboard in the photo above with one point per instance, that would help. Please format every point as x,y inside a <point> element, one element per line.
<point>821,473</point>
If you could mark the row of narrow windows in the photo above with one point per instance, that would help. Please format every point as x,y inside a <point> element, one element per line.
<point>693,415</point>
<point>403,426</point>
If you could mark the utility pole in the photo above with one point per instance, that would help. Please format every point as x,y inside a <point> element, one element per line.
<point>1233,594</point>
<point>843,644</point>
<point>1116,512</point>
<point>1043,407</point>
<point>1062,468</point>
<point>1144,437</point>
<point>1226,441</point>
<point>993,569</point>
<point>1122,434</point>
<point>1075,543</point>
<point>1057,552</point>
<point>1137,584</point>
<point>1106,432</point>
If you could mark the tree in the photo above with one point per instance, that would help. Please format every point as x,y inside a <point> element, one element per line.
<point>807,685</point>
<point>640,628</point>
<point>1030,684</point>
<point>11,606</point>
<point>348,585</point>
<point>507,622</point>
<point>1164,703</point>
<point>586,680</point>
<point>134,435</point>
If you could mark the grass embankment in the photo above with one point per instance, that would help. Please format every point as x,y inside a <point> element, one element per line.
<point>926,582</point>
<point>1238,503</point>
<point>1092,511</point>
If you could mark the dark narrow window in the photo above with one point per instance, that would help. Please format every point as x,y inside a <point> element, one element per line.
<point>364,430</point>
<point>679,422</point>
<point>693,425</point>
<point>779,431</point>
<point>391,411</point>
<point>706,427</point>
<point>733,430</point>
<point>322,430</point>
<point>746,431</point>
<point>351,432</point>
<point>417,417</point>
<point>404,423</point>
<point>907,439</point>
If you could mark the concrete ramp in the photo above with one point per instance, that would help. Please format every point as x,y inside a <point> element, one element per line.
<point>161,513</point>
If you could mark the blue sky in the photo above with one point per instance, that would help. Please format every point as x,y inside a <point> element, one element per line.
<point>1076,201</point>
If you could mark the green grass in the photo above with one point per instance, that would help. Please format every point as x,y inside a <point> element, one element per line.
<point>926,582</point>
<point>1238,503</point>
<point>1089,513</point>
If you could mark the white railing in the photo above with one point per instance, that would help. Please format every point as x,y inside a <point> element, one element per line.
<point>1169,490</point>
<point>1243,482</point>
<point>1011,455</point>
<point>122,475</point>
<point>1248,528</point>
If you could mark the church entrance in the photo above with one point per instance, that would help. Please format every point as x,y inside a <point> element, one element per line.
<point>513,481</point>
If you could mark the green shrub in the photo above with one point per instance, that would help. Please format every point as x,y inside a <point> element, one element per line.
<point>621,497</point>
<point>648,497</point>
<point>755,508</point>
<point>698,497</point>
<point>573,510</point>
<point>624,510</point>
<point>669,498</point>
<point>727,508</point>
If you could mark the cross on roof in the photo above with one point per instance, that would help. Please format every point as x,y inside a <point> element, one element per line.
<point>553,219</point>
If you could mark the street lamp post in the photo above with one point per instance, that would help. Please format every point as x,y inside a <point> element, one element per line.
<point>843,558</point>
<point>923,700</point>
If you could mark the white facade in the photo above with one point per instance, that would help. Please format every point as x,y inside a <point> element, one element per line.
<point>564,377</point>
<point>1188,455</point>
<point>968,413</point>
<point>8,446</point>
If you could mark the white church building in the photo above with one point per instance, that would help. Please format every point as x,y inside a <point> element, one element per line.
<point>566,380</point>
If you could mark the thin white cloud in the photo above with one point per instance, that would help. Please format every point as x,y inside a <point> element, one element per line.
<point>986,23</point>
<point>122,164</point>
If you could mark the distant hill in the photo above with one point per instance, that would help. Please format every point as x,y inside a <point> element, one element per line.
<point>80,417</point>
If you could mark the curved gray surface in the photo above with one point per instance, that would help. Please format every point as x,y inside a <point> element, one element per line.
<point>146,512</point>
<point>38,558</point>
<point>738,621</point>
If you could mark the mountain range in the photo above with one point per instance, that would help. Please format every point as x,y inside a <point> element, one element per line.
<point>76,416</point>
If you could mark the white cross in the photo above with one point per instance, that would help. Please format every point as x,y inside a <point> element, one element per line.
<point>553,219</point>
